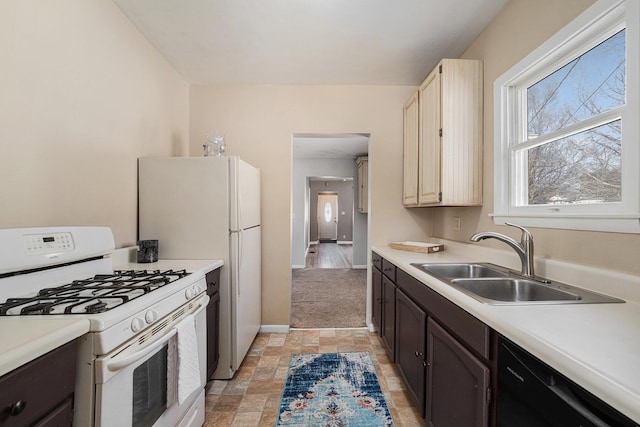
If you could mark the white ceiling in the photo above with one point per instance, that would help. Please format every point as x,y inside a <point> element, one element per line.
<point>377,42</point>
<point>329,146</point>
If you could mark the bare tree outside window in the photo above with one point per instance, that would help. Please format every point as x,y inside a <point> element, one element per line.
<point>583,163</point>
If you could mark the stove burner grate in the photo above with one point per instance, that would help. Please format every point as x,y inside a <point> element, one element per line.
<point>93,295</point>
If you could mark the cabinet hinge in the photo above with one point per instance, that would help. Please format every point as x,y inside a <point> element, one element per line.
<point>440,132</point>
<point>440,196</point>
<point>489,395</point>
<point>440,69</point>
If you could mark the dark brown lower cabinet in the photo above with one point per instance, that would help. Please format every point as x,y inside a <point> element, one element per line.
<point>213,321</point>
<point>458,383</point>
<point>411,324</point>
<point>376,285</point>
<point>40,393</point>
<point>59,417</point>
<point>388,316</point>
<point>444,355</point>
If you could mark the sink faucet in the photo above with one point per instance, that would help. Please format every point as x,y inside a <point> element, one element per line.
<point>524,249</point>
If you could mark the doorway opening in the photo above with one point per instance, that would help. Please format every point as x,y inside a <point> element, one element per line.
<point>331,221</point>
<point>329,236</point>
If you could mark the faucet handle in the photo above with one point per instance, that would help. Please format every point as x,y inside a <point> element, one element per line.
<point>526,235</point>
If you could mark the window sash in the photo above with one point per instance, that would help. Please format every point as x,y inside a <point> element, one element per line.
<point>599,22</point>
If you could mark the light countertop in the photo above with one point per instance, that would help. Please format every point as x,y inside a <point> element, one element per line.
<point>595,345</point>
<point>23,339</point>
<point>26,338</point>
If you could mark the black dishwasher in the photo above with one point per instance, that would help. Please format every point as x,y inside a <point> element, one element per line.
<point>532,394</point>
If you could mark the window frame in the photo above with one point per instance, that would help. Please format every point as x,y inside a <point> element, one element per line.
<point>603,19</point>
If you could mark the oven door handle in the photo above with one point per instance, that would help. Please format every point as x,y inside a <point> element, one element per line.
<point>132,358</point>
<point>126,361</point>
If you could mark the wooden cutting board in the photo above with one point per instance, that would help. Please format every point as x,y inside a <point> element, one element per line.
<point>422,247</point>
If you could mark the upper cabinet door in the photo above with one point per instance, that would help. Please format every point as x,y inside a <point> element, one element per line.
<point>461,124</point>
<point>443,148</point>
<point>410,154</point>
<point>362,164</point>
<point>429,140</point>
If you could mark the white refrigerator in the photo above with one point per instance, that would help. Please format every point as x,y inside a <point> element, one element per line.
<point>209,208</point>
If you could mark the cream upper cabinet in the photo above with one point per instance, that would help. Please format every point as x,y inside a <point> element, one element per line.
<point>363,184</point>
<point>410,155</point>
<point>444,166</point>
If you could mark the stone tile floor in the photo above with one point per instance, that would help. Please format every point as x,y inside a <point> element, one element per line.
<point>252,397</point>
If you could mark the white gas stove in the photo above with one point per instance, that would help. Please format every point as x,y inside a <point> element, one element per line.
<point>135,321</point>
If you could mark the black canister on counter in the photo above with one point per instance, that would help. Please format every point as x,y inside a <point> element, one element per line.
<point>147,250</point>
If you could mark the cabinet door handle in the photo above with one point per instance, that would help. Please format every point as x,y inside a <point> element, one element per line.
<point>17,407</point>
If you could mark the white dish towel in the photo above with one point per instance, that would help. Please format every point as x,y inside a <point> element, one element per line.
<point>188,363</point>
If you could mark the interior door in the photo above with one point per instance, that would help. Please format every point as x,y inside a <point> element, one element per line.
<point>328,216</point>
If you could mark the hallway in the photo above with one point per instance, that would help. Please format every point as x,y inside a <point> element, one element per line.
<point>328,293</point>
<point>329,255</point>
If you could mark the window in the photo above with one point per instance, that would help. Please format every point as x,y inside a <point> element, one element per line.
<point>567,141</point>
<point>328,214</point>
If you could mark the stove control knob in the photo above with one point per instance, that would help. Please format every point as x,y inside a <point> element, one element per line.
<point>196,290</point>
<point>151,316</point>
<point>137,324</point>
<point>188,294</point>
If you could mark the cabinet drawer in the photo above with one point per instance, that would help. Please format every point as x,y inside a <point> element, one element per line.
<point>376,260</point>
<point>41,385</point>
<point>389,270</point>
<point>464,326</point>
<point>213,281</point>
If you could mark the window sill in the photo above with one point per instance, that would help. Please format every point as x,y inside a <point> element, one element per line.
<point>622,223</point>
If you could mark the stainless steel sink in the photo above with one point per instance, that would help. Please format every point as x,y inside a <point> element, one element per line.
<point>493,284</point>
<point>464,270</point>
<point>514,290</point>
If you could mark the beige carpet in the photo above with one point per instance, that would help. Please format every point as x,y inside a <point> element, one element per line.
<point>328,298</point>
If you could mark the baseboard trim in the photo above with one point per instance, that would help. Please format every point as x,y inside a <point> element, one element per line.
<point>359,267</point>
<point>345,242</point>
<point>297,266</point>
<point>274,329</point>
<point>371,327</point>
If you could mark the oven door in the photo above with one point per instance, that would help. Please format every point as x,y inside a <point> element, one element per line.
<point>136,384</point>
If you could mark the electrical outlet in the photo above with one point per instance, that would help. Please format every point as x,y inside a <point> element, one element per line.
<point>455,223</point>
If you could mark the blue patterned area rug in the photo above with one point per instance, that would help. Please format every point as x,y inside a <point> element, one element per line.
<point>331,390</point>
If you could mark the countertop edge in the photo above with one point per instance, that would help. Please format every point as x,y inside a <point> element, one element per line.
<point>47,335</point>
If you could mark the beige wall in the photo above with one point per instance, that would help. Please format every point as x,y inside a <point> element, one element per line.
<point>82,96</point>
<point>521,27</point>
<point>258,122</point>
